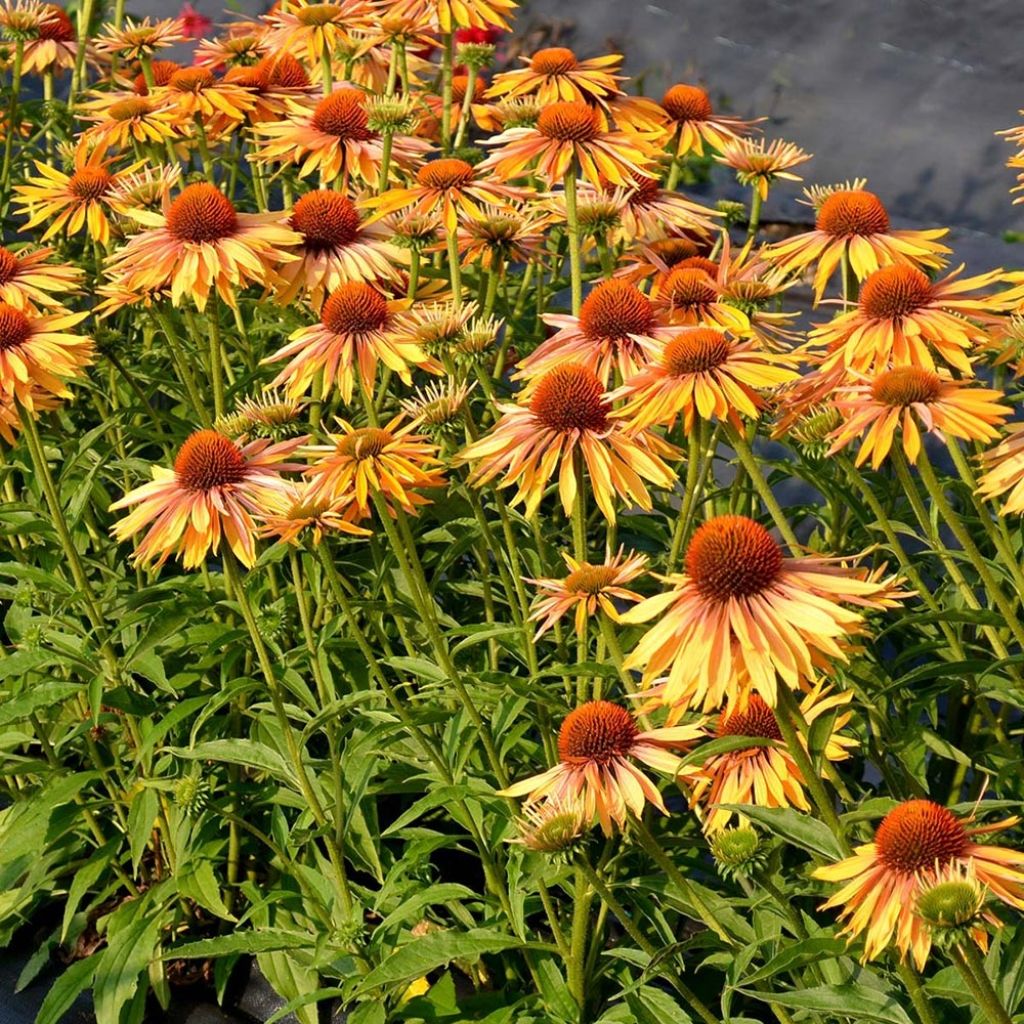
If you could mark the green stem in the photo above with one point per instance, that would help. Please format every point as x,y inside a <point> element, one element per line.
<point>181,365</point>
<point>12,121</point>
<point>454,267</point>
<point>464,114</point>
<point>447,53</point>
<point>84,25</point>
<point>573,226</point>
<point>754,221</point>
<point>918,996</point>
<point>971,965</point>
<point>575,967</point>
<point>749,462</point>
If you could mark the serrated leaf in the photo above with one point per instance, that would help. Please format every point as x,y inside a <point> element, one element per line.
<point>851,1001</point>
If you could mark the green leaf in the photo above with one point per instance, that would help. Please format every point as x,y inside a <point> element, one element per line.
<point>441,893</point>
<point>724,745</point>
<point>263,941</point>
<point>42,696</point>
<point>200,884</point>
<point>851,1001</point>
<point>247,753</point>
<point>145,806</point>
<point>796,828</point>
<point>132,937</point>
<point>425,954</point>
<point>797,954</point>
<point>66,989</point>
<point>419,667</point>
<point>85,878</point>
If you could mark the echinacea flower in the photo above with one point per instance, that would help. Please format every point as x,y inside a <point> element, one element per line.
<point>566,420</point>
<point>71,201</point>
<point>194,94</point>
<point>214,492</point>
<point>914,844</point>
<point>758,166</point>
<point>231,51</point>
<point>616,325</point>
<point>450,188</point>
<point>502,235</point>
<point>552,827</point>
<point>136,40</point>
<point>454,14</point>
<point>1005,471</point>
<point>275,83</point>
<point>292,513</point>
<point>743,616</point>
<point>333,137</point>
<point>200,242</point>
<point>568,135</point>
<point>160,71</point>
<point>690,294</point>
<point>555,74</point>
<point>337,247</point>
<point>597,744</point>
<point>389,463</point>
<point>121,119</point>
<point>314,31</point>
<point>39,354</point>
<point>764,774</point>
<point>357,330</point>
<point>700,372</point>
<point>854,223</point>
<point>588,589</point>
<point>649,211</point>
<point>902,317</point>
<point>906,399</point>
<point>695,124</point>
<point>27,278</point>
<point>50,39</point>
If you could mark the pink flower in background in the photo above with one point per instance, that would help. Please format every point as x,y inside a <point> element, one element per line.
<point>196,24</point>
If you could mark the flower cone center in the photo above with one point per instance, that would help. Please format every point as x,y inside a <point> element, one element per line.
<point>8,265</point>
<point>570,398</point>
<point>58,26</point>
<point>191,80</point>
<point>687,103</point>
<point>365,443</point>
<point>443,174</point>
<point>615,309</point>
<point>326,219</point>
<point>90,183</point>
<point>342,114</point>
<point>853,212</point>
<point>595,733</point>
<point>893,292</point>
<point>354,308</point>
<point>590,579</point>
<point>554,60</point>
<point>208,459</point>
<point>733,557</point>
<point>672,251</point>
<point>14,327</point>
<point>695,351</point>
<point>319,14</point>
<point>284,71</point>
<point>689,286</point>
<point>202,213</point>
<point>125,110</point>
<point>905,385</point>
<point>569,122</point>
<point>757,720</point>
<point>920,834</point>
<point>162,72</point>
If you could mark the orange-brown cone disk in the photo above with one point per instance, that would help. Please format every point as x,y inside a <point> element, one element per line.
<point>852,212</point>
<point>757,720</point>
<point>615,309</point>
<point>446,173</point>
<point>326,219</point>
<point>570,398</point>
<point>354,308</point>
<point>202,213</point>
<point>893,292</point>
<point>342,114</point>
<point>733,557</point>
<point>14,327</point>
<point>905,385</point>
<point>695,351</point>
<point>569,122</point>
<point>208,459</point>
<point>596,732</point>
<point>920,834</point>
<point>687,103</point>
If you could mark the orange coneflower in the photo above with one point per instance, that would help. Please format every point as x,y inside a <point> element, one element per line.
<point>200,242</point>
<point>357,330</point>
<point>231,51</point>
<point>693,119</point>
<point>596,746</point>
<point>289,514</point>
<point>765,774</point>
<point>700,372</point>
<point>587,589</point>
<point>37,353</point>
<point>48,33</point>
<point>147,189</point>
<point>73,201</point>
<point>617,323</point>
<point>555,74</point>
<point>337,247</point>
<point>690,294</point>
<point>566,419</point>
<point>390,463</point>
<point>744,615</point>
<point>195,94</point>
<point>902,317</point>
<point>567,135</point>
<point>650,258</point>
<point>907,396</point>
<point>316,31</point>
<point>854,223</point>
<point>27,279</point>
<point>121,119</point>
<point>453,14</point>
<point>650,211</point>
<point>448,187</point>
<point>215,489</point>
<point>10,415</point>
<point>275,83</point>
<point>333,136</point>
<point>757,166</point>
<point>914,846</point>
<point>1005,464</point>
<point>502,236</point>
<point>136,40</point>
